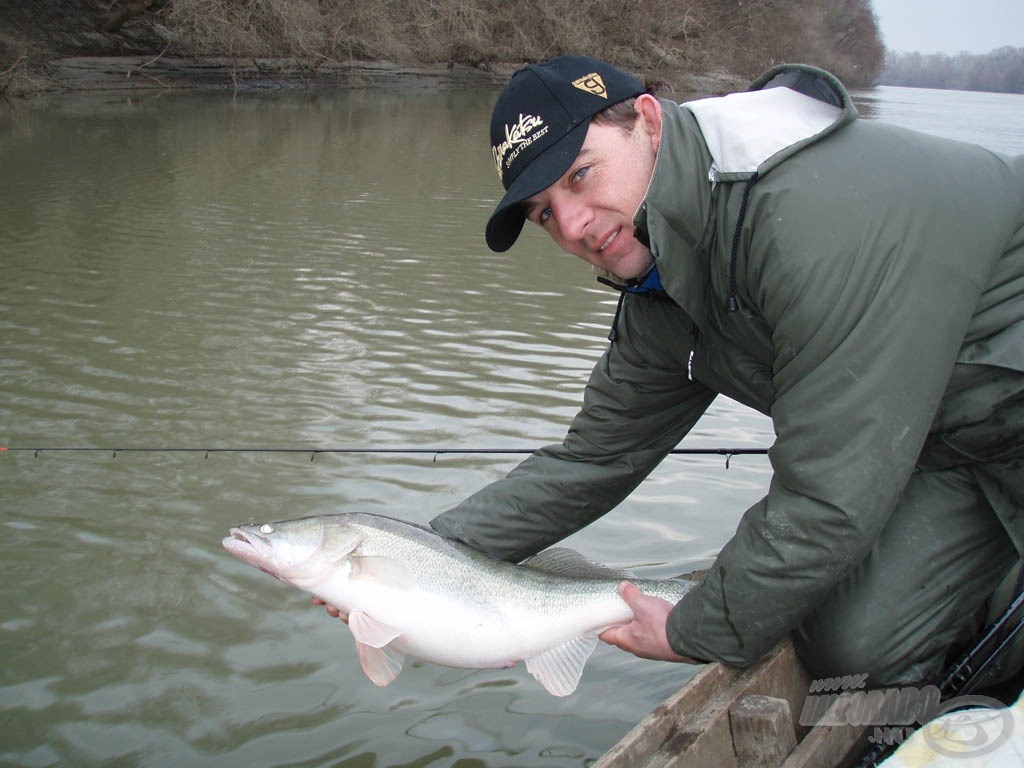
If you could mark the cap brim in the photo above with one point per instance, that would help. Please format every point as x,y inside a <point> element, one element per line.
<point>507,220</point>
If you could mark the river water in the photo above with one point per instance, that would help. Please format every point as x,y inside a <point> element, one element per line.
<point>298,270</point>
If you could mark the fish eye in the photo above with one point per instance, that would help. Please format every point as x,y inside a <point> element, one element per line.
<point>266,528</point>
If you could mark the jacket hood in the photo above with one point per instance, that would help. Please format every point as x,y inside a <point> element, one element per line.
<point>783,111</point>
<point>739,137</point>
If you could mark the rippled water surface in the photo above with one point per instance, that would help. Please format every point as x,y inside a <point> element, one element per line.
<point>298,270</point>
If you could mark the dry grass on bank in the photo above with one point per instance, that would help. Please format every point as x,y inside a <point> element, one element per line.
<point>693,36</point>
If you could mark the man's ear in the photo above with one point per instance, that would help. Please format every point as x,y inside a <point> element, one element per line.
<point>648,110</point>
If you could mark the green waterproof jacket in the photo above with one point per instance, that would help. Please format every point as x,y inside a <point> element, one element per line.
<point>876,281</point>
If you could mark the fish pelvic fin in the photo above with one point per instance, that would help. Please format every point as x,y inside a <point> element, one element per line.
<point>381,665</point>
<point>380,662</point>
<point>369,631</point>
<point>559,669</point>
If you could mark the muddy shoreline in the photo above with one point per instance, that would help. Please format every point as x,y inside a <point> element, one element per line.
<point>147,73</point>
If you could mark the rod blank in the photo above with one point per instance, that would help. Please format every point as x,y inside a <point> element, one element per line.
<point>410,450</point>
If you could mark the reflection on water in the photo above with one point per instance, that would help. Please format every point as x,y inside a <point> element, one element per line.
<point>303,269</point>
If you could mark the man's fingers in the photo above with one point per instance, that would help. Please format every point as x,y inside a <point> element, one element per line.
<point>611,635</point>
<point>629,592</point>
<point>621,635</point>
<point>331,610</point>
<point>645,635</point>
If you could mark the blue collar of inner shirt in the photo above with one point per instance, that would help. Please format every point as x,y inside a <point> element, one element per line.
<point>648,283</point>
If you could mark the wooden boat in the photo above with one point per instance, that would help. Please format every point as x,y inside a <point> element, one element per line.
<point>733,718</point>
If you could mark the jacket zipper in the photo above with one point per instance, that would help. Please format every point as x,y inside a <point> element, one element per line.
<point>692,360</point>
<point>731,300</point>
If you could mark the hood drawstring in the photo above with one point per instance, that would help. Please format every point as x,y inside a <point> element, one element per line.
<point>613,332</point>
<point>649,282</point>
<point>731,301</point>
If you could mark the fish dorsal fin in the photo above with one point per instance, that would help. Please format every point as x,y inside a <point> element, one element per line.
<point>380,663</point>
<point>559,669</point>
<point>384,570</point>
<point>568,562</point>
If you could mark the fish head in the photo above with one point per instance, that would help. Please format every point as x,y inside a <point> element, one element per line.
<point>301,552</point>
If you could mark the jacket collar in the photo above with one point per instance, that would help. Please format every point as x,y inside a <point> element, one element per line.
<point>676,214</point>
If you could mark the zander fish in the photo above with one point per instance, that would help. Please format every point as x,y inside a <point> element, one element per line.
<point>409,591</point>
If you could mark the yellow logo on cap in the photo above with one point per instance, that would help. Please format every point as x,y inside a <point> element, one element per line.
<point>518,137</point>
<point>592,83</point>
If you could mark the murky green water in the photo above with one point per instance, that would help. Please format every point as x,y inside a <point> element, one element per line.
<point>277,271</point>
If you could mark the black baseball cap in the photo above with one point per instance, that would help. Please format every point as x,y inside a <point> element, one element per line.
<point>538,126</point>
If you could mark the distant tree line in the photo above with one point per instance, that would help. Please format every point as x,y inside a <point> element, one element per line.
<point>1001,71</point>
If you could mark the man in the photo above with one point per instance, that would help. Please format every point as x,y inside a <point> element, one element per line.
<point>860,283</point>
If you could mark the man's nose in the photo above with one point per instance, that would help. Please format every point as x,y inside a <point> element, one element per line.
<point>572,217</point>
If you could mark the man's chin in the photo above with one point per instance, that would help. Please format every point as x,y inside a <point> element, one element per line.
<point>633,272</point>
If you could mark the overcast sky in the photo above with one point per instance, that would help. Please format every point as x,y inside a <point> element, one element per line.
<point>950,26</point>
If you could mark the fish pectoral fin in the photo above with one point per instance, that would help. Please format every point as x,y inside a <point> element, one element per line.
<point>559,669</point>
<point>384,570</point>
<point>381,665</point>
<point>369,631</point>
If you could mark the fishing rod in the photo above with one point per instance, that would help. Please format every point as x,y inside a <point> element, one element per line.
<point>964,676</point>
<point>313,452</point>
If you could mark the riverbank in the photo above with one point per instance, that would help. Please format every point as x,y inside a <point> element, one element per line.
<point>147,73</point>
<point>706,47</point>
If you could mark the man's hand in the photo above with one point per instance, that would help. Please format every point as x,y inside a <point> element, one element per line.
<point>331,610</point>
<point>644,636</point>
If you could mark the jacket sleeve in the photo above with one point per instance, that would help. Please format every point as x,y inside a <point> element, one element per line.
<point>868,292</point>
<point>637,406</point>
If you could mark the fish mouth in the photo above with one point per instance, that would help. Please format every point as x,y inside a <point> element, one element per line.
<point>248,545</point>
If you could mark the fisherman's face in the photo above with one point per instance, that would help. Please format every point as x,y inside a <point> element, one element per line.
<point>589,210</point>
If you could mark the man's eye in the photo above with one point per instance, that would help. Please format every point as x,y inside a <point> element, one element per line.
<point>544,215</point>
<point>580,173</point>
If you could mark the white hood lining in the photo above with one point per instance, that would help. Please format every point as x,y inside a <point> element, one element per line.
<point>743,130</point>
